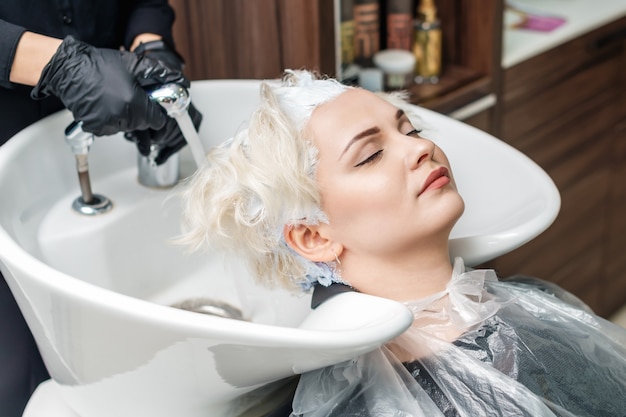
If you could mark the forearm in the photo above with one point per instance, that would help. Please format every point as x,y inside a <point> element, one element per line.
<point>143,38</point>
<point>33,52</point>
<point>149,16</point>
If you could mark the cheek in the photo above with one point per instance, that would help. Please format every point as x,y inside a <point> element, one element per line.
<point>354,200</point>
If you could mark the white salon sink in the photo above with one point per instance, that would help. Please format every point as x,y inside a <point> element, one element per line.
<point>96,290</point>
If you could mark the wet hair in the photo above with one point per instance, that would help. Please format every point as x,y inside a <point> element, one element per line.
<point>263,179</point>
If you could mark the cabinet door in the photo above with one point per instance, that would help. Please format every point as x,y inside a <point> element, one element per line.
<point>307,32</point>
<point>228,39</point>
<point>567,125</point>
<point>575,150</point>
<point>254,38</point>
<point>613,290</point>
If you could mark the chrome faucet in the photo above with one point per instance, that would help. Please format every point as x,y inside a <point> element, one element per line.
<point>175,99</point>
<point>88,203</point>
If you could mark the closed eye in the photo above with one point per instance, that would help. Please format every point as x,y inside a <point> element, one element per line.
<point>414,132</point>
<point>370,159</point>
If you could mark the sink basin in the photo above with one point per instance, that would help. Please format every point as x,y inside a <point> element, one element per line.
<point>97,291</point>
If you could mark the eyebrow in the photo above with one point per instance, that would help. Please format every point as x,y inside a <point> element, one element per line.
<point>368,132</point>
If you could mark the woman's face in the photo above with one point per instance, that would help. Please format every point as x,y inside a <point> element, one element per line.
<point>386,190</point>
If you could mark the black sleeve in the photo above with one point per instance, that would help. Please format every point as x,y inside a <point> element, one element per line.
<point>10,35</point>
<point>150,16</point>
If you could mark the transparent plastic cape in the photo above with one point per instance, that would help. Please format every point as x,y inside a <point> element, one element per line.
<point>482,347</point>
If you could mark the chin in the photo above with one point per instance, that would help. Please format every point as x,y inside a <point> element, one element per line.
<point>457,207</point>
<point>461,204</point>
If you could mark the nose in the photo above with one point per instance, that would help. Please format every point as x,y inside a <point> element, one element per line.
<point>420,150</point>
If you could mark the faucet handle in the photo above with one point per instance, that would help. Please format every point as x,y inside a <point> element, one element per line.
<point>77,138</point>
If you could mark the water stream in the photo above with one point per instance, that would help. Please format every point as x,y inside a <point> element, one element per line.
<point>192,138</point>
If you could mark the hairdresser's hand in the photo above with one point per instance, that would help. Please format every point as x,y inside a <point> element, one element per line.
<point>105,88</point>
<point>168,139</point>
<point>160,51</point>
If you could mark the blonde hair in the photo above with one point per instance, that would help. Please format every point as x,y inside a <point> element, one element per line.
<point>263,179</point>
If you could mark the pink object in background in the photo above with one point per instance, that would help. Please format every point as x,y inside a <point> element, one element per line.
<point>521,17</point>
<point>542,23</point>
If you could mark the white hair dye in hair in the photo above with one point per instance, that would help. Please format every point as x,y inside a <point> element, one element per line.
<point>302,92</point>
<point>261,180</point>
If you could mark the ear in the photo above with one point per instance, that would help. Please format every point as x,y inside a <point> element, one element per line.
<point>311,242</point>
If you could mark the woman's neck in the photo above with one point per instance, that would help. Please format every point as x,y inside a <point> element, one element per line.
<point>401,278</point>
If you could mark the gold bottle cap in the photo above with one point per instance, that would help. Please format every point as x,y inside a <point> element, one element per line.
<point>428,10</point>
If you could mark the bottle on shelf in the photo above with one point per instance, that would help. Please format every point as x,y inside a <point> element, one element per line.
<point>349,71</point>
<point>427,43</point>
<point>366,31</point>
<point>399,24</point>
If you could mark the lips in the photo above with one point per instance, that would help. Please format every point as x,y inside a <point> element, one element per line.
<point>437,179</point>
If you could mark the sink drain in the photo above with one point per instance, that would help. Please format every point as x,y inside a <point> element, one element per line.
<point>210,307</point>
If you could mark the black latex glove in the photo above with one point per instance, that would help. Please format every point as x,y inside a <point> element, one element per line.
<point>161,51</point>
<point>105,88</point>
<point>169,139</point>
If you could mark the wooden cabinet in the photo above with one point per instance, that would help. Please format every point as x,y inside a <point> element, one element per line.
<point>260,38</point>
<point>566,109</point>
<point>253,39</point>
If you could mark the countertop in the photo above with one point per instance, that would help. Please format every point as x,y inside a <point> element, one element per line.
<point>582,16</point>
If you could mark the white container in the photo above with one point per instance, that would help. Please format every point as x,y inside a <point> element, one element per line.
<point>371,79</point>
<point>398,66</point>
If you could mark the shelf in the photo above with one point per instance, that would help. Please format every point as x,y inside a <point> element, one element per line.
<point>457,87</point>
<point>279,34</point>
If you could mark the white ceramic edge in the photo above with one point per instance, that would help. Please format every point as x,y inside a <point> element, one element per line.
<point>13,255</point>
<point>512,239</point>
